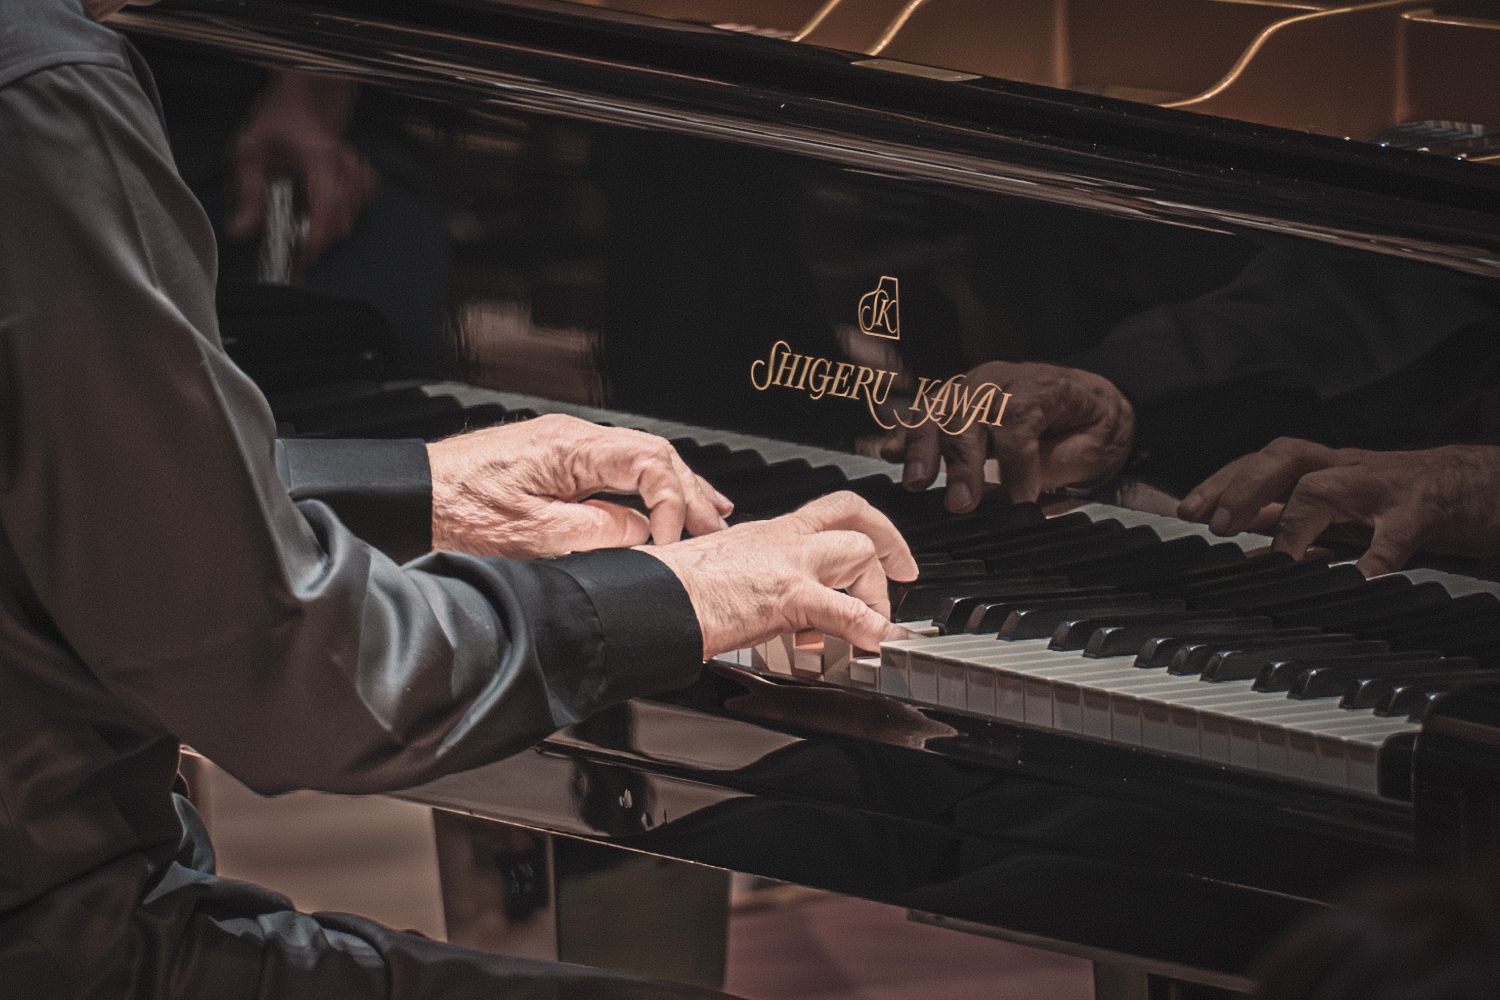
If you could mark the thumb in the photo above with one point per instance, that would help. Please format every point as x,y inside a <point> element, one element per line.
<point>848,618</point>
<point>596,524</point>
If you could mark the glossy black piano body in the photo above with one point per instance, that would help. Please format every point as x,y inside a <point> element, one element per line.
<point>606,208</point>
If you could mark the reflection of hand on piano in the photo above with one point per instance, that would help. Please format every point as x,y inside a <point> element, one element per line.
<point>298,129</point>
<point>1401,936</point>
<point>513,490</point>
<point>1437,500</point>
<point>1062,427</point>
<point>765,578</point>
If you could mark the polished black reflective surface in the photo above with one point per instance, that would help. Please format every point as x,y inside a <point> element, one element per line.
<point>778,240</point>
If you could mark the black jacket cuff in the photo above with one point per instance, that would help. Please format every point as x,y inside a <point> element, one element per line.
<point>381,490</point>
<point>651,638</point>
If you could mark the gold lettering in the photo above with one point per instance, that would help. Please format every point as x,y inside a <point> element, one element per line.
<point>777,348</point>
<point>787,368</point>
<point>819,381</point>
<point>841,380</point>
<point>862,381</point>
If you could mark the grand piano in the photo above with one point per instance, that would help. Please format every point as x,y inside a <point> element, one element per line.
<point>748,224</point>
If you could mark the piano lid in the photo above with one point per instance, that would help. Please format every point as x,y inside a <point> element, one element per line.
<point>1407,74</point>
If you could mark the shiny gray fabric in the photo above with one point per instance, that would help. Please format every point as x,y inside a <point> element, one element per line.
<point>157,583</point>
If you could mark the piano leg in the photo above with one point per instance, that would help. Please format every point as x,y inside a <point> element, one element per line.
<point>509,889</point>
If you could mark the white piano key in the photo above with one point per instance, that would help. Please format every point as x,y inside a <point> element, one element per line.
<point>864,672</point>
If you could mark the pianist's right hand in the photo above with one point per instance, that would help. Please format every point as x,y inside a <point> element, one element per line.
<point>763,578</point>
<point>1062,427</point>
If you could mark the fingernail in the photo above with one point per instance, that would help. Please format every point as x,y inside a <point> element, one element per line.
<point>722,498</point>
<point>915,473</point>
<point>1220,523</point>
<point>959,497</point>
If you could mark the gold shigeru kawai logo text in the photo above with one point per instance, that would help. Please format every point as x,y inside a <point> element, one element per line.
<point>953,405</point>
<point>880,310</point>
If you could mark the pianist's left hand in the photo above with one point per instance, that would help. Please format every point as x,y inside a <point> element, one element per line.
<point>1062,427</point>
<point>1437,500</point>
<point>518,490</point>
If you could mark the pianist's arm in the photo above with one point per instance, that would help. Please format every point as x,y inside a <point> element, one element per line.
<point>139,487</point>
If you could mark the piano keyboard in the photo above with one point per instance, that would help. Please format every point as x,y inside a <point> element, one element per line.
<point>1101,623</point>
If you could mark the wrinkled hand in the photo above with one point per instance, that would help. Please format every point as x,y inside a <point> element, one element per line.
<point>514,490</point>
<point>764,578</point>
<point>297,130</point>
<point>1062,427</point>
<point>1438,500</point>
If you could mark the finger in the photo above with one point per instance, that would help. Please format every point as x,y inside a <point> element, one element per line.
<point>921,454</point>
<point>622,460</point>
<point>661,490</point>
<point>1203,499</point>
<point>1309,511</point>
<point>1395,541</point>
<point>250,193</point>
<point>1070,461</point>
<point>846,511</point>
<point>847,560</point>
<point>1264,477</point>
<point>598,524</point>
<point>321,188</point>
<point>701,516</point>
<point>843,616</point>
<point>965,454</point>
<point>892,447</point>
<point>1265,522</point>
<point>1020,455</point>
<point>722,504</point>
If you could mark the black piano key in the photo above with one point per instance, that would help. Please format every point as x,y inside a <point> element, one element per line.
<point>1281,672</point>
<point>1254,599</point>
<point>1057,556</point>
<point>1076,633</point>
<point>722,465</point>
<point>1414,697</point>
<point>1246,568</point>
<point>1366,590</point>
<point>1170,558</point>
<point>944,567</point>
<point>1374,692</point>
<point>1157,652</point>
<point>1251,573</point>
<point>1040,620</point>
<point>1194,656</point>
<point>1334,681</point>
<point>1364,608</point>
<point>1252,664</point>
<point>989,614</point>
<point>966,528</point>
<point>1454,637</point>
<point>1469,608</point>
<point>1125,639</point>
<point>772,490</point>
<point>920,599</point>
<point>999,541</point>
<point>1132,541</point>
<point>760,474</point>
<point>954,611</point>
<point>1015,536</point>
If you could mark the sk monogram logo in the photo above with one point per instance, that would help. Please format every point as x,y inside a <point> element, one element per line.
<point>880,310</point>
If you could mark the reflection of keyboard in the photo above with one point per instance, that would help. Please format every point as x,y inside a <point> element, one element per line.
<point>1101,623</point>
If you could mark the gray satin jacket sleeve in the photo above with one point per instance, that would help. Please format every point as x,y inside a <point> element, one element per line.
<point>139,487</point>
